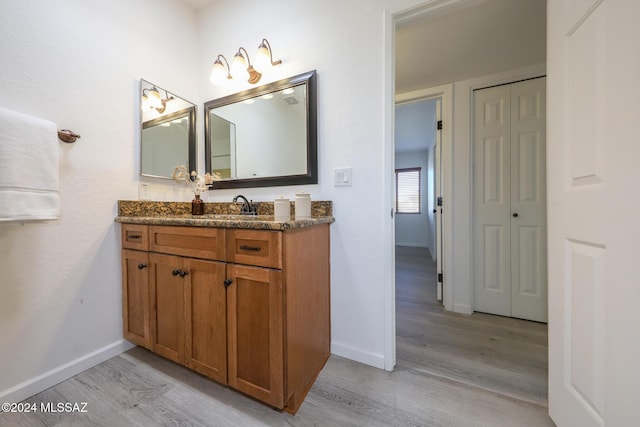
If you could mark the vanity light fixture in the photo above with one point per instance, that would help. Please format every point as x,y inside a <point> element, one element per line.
<point>218,72</point>
<point>264,57</point>
<point>241,65</point>
<point>153,99</point>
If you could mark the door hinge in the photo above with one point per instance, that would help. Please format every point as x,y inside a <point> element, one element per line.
<point>439,126</point>
<point>439,277</point>
<point>439,201</point>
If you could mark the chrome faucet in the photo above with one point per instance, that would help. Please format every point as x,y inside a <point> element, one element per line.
<point>247,207</point>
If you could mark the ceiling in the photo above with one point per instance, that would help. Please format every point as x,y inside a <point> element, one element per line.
<point>197,4</point>
<point>415,126</point>
<point>486,37</point>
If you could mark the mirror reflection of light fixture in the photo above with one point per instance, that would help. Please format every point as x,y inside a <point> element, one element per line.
<point>153,99</point>
<point>241,65</point>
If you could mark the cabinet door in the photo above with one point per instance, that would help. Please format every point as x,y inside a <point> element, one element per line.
<point>135,297</point>
<point>167,306</point>
<point>206,318</point>
<point>255,333</point>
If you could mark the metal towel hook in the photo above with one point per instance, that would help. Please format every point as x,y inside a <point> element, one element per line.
<point>67,135</point>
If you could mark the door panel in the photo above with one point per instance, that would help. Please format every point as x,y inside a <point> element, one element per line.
<point>167,305</point>
<point>135,297</point>
<point>593,212</point>
<point>528,200</point>
<point>492,197</point>
<point>206,328</point>
<point>256,334</point>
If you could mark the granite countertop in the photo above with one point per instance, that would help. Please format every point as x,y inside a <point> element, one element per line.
<point>218,215</point>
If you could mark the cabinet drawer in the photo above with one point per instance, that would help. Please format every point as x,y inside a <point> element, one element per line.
<point>255,247</point>
<point>196,242</point>
<point>135,236</point>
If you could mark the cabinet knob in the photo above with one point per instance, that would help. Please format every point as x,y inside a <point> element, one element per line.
<point>183,273</point>
<point>227,283</point>
<point>175,272</point>
<point>141,266</point>
<point>515,215</point>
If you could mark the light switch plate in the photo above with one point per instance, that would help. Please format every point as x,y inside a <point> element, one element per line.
<point>143,191</point>
<point>342,177</point>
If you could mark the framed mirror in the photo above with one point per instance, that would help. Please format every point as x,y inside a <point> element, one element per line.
<point>167,132</point>
<point>265,136</point>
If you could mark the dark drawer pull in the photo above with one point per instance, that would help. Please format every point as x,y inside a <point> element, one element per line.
<point>250,248</point>
<point>134,236</point>
<point>141,266</point>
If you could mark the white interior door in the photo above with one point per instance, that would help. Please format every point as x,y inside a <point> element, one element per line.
<point>438,196</point>
<point>593,177</point>
<point>510,200</point>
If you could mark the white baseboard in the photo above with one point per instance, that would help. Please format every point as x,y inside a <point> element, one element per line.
<point>42,382</point>
<point>413,245</point>
<point>462,308</point>
<point>373,359</point>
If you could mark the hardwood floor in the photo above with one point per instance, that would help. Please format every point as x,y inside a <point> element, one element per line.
<point>499,354</point>
<point>453,370</point>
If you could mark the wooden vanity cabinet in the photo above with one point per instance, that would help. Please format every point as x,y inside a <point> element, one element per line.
<point>188,313</point>
<point>247,308</point>
<point>135,297</point>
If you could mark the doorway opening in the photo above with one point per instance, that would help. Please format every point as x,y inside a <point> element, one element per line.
<point>477,350</point>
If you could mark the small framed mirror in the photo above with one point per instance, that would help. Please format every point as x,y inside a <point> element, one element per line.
<point>265,136</point>
<point>167,131</point>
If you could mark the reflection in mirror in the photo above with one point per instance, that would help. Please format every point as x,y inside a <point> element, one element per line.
<point>168,132</point>
<point>223,147</point>
<point>264,136</point>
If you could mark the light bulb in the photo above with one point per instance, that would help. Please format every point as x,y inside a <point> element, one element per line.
<point>218,74</point>
<point>263,58</point>
<point>154,98</point>
<point>239,66</point>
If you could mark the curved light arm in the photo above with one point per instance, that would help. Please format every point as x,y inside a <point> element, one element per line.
<point>265,47</point>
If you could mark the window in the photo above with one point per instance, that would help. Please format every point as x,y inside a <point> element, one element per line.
<point>408,190</point>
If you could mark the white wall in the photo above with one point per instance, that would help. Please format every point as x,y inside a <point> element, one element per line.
<point>415,229</point>
<point>78,63</point>
<point>344,42</point>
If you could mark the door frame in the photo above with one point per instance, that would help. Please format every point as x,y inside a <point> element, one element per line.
<point>459,290</point>
<point>445,94</point>
<point>392,17</point>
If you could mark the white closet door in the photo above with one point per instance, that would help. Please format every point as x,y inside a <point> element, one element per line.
<point>528,201</point>
<point>510,201</point>
<point>492,200</point>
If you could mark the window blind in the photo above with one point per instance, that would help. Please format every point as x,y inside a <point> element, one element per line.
<point>408,190</point>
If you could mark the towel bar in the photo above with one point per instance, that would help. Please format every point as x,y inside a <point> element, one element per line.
<point>67,135</point>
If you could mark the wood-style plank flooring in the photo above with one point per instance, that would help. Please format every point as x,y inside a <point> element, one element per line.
<point>453,370</point>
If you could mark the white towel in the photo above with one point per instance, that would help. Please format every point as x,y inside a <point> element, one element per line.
<point>28,168</point>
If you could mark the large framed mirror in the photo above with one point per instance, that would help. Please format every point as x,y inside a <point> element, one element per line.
<point>168,131</point>
<point>265,136</point>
